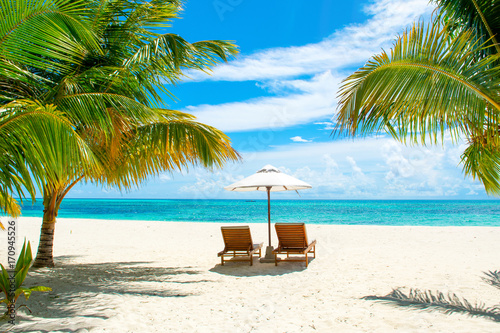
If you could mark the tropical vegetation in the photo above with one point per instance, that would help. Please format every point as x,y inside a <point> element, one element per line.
<point>439,79</point>
<point>11,284</point>
<point>83,99</point>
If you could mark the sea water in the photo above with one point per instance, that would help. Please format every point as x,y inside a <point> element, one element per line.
<point>360,212</point>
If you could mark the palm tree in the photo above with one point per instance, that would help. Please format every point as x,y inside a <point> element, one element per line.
<point>438,78</point>
<point>104,67</point>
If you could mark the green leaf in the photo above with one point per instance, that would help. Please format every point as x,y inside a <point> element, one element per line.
<point>27,291</point>
<point>4,281</point>
<point>21,262</point>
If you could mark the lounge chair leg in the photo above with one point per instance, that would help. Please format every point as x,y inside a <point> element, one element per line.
<point>307,260</point>
<point>275,259</point>
<point>222,260</point>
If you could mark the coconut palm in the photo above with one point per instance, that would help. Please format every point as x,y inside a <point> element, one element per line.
<point>438,78</point>
<point>104,67</point>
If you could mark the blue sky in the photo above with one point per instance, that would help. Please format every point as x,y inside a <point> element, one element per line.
<point>277,98</point>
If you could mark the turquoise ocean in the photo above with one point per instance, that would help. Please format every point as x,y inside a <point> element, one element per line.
<point>352,212</point>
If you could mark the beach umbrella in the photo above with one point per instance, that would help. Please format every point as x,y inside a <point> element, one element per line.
<point>268,179</point>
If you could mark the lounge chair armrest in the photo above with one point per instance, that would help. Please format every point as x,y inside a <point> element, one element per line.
<point>313,243</point>
<point>256,247</point>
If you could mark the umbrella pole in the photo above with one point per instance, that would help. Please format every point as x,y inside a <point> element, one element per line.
<point>269,257</point>
<point>269,214</point>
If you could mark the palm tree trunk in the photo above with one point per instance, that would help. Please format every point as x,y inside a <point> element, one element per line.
<point>51,202</point>
<point>44,257</point>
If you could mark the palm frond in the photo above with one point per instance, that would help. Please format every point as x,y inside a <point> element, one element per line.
<point>18,83</point>
<point>430,82</point>
<point>47,35</point>
<point>133,14</point>
<point>167,55</point>
<point>46,141</point>
<point>481,160</point>
<point>152,15</point>
<point>9,205</point>
<point>167,145</point>
<point>93,109</point>
<point>15,178</point>
<point>480,15</point>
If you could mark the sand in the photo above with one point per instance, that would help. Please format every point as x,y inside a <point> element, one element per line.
<point>147,276</point>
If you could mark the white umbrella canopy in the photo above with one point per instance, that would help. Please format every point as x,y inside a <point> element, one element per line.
<point>268,179</point>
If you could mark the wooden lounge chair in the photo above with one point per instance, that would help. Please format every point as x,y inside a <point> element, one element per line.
<point>292,238</point>
<point>238,244</point>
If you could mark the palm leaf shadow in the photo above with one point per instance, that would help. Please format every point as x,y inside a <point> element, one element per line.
<point>492,278</point>
<point>450,303</point>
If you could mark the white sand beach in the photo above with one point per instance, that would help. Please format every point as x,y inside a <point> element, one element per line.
<point>146,276</point>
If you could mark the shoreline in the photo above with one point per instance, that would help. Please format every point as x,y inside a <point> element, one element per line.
<point>402,213</point>
<point>61,219</point>
<point>138,276</point>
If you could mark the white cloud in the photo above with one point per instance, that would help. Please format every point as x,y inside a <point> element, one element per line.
<point>316,102</point>
<point>420,171</point>
<point>305,100</point>
<point>164,177</point>
<point>328,125</point>
<point>299,139</point>
<point>343,169</point>
<point>208,184</point>
<point>349,46</point>
<point>376,168</point>
<point>399,166</point>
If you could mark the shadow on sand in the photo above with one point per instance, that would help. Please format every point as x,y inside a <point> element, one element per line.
<point>451,303</point>
<point>258,268</point>
<point>81,290</point>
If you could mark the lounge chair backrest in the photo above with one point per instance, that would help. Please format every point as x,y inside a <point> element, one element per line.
<point>291,235</point>
<point>237,238</point>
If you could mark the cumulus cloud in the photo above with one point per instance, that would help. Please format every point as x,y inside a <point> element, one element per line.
<point>327,125</point>
<point>209,184</point>
<point>399,166</point>
<point>425,171</point>
<point>345,181</point>
<point>299,139</point>
<point>374,168</point>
